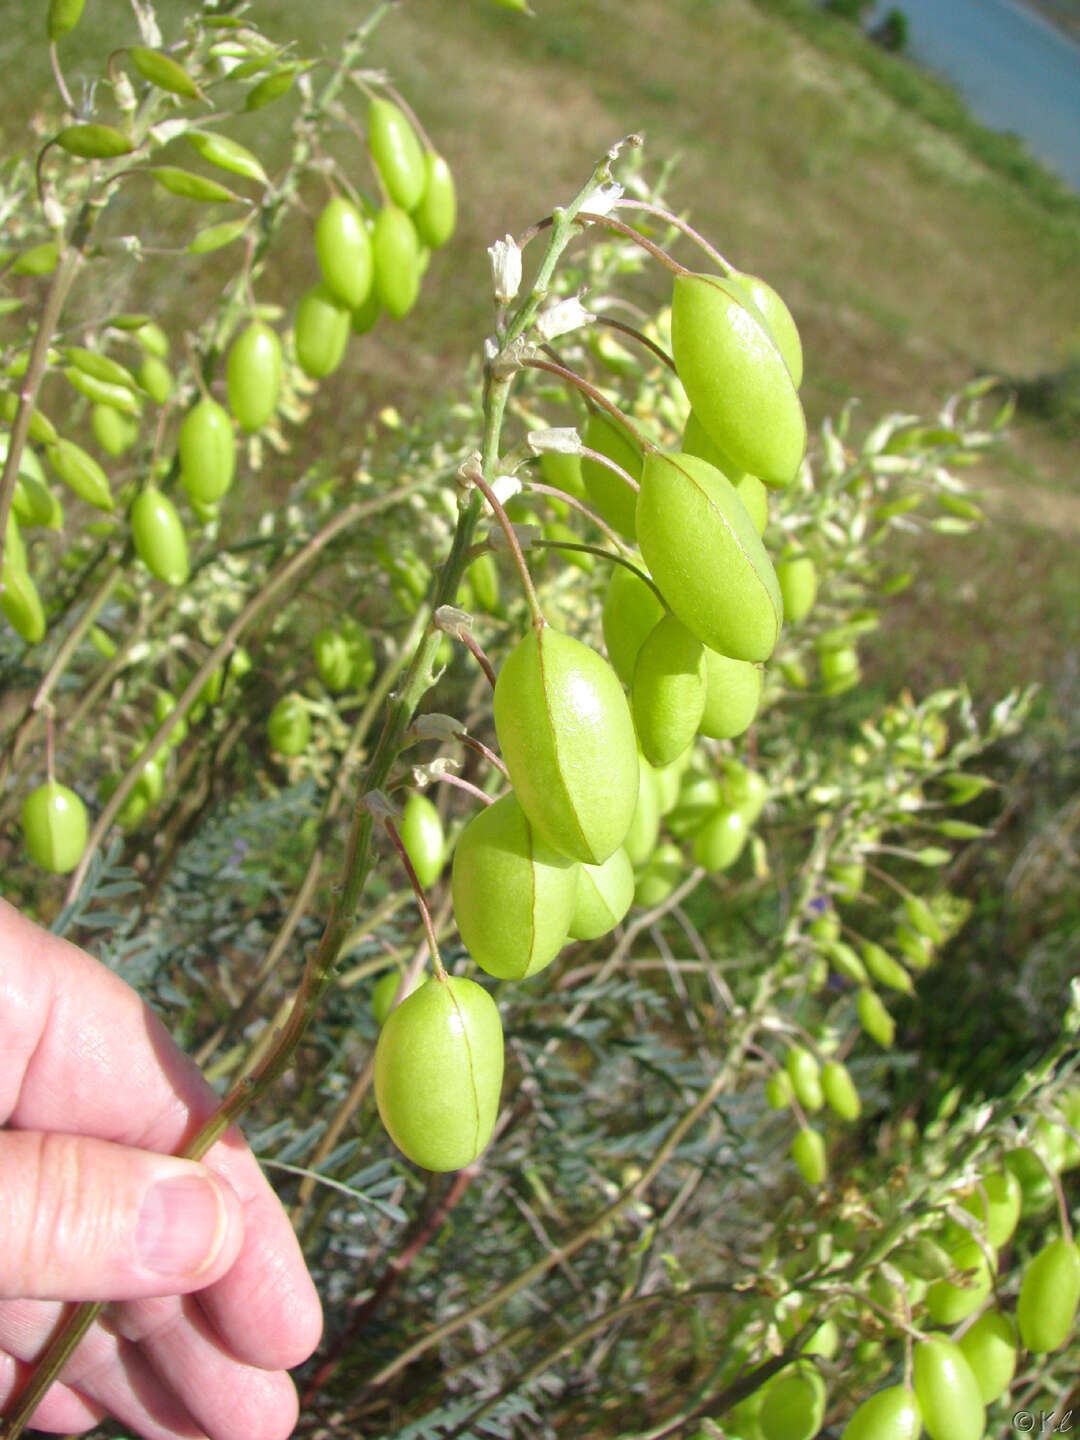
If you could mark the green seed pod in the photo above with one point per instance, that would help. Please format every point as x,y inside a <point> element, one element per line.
<point>609,494</point>
<point>755,498</point>
<point>189,186</point>
<point>421,832</point>
<point>42,430</point>
<point>206,447</point>
<point>216,237</point>
<point>989,1347</point>
<point>81,473</point>
<point>667,779</point>
<point>668,694</point>
<point>659,876</point>
<point>163,71</point>
<point>94,142</point>
<point>343,248</point>
<point>794,1403</point>
<point>947,1391</point>
<point>732,696</point>
<point>604,895</point>
<point>883,968</point>
<point>100,367</point>
<point>436,214</point>
<point>808,1152</point>
<point>37,260</point>
<point>719,842</point>
<point>333,659</point>
<point>150,336</point>
<point>631,610</point>
<point>63,16</point>
<point>113,431</point>
<point>839,1090</point>
<point>875,1019</point>
<point>946,1303</point>
<point>916,949</point>
<point>397,153</point>
<point>700,796</point>
<point>645,824</point>
<point>848,879</point>
<point>805,1074</point>
<point>320,332</point>
<point>395,256</point>
<point>271,88</point>
<point>564,535</point>
<point>923,919</point>
<point>226,154</point>
<point>996,1204</point>
<point>845,961</point>
<point>708,560</point>
<point>101,392</point>
<point>749,488</point>
<point>21,603</point>
<point>156,379</point>
<point>158,536</point>
<point>289,726</point>
<point>253,375</point>
<point>891,1414</point>
<point>513,894</point>
<point>563,472</point>
<point>33,502</point>
<point>779,1090</point>
<point>736,378</point>
<point>483,576</point>
<point>164,705</point>
<point>384,992</point>
<point>366,314</point>
<point>743,789</point>
<point>778,318</point>
<point>567,737</point>
<point>438,1073</point>
<point>1049,1295</point>
<point>54,827</point>
<point>797,578</point>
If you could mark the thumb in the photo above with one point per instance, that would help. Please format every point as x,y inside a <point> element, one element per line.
<point>86,1219</point>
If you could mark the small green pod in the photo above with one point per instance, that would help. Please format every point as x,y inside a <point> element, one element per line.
<point>732,696</point>
<point>604,895</point>
<point>659,875</point>
<point>989,1347</point>
<point>22,605</point>
<point>884,969</point>
<point>779,319</point>
<point>778,1090</point>
<point>839,1090</point>
<point>81,473</point>
<point>794,1403</point>
<point>320,332</point>
<point>1049,1296</point>
<point>54,826</point>
<point>996,1203</point>
<point>158,536</point>
<point>397,153</point>
<point>513,894</point>
<point>189,186</point>
<point>891,1414</point>
<point>720,841</point>
<point>631,610</point>
<point>62,18</point>
<point>947,1391</point>
<point>383,994</point>
<point>101,367</point>
<point>114,431</point>
<point>365,315</point>
<point>343,249</point>
<point>947,1303</point>
<point>875,1018</point>
<point>797,578</point>
<point>809,1155</point>
<point>206,447</point>
<point>645,823</point>
<point>102,392</point>
<point>702,550</point>
<point>227,155</point>
<point>568,740</point>
<point>749,488</point>
<point>436,214</point>
<point>744,789</point>
<point>216,237</point>
<point>736,378</point>
<point>611,497</point>
<point>37,259</point>
<point>668,692</point>
<point>421,832</point>
<point>805,1074</point>
<point>253,375</point>
<point>94,142</point>
<point>163,71</point>
<point>699,798</point>
<point>839,669</point>
<point>438,1073</point>
<point>289,725</point>
<point>156,379</point>
<point>396,259</point>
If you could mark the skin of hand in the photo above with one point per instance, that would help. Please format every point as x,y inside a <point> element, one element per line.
<point>210,1302</point>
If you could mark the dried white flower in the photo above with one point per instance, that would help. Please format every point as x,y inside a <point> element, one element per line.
<point>435,726</point>
<point>603,199</point>
<point>563,441</point>
<point>505,269</point>
<point>561,318</point>
<point>505,487</point>
<point>525,535</point>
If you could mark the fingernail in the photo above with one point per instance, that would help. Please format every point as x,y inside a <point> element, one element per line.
<point>181,1226</point>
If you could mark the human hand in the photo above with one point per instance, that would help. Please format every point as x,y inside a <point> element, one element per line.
<point>215,1302</point>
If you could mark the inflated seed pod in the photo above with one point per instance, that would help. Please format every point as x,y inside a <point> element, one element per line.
<point>604,895</point>
<point>996,1203</point>
<point>839,668</point>
<point>396,257</point>
<point>797,578</point>
<point>320,332</point>
<point>778,1090</point>
<point>158,536</point>
<point>883,968</point>
<point>947,1391</point>
<point>289,725</point>
<point>436,214</point>
<point>989,1347</point>
<point>156,379</point>
<point>875,1018</point>
<point>749,488</point>
<point>805,1075</point>
<point>948,1303</point>
<point>891,1414</point>
<point>645,823</point>
<point>808,1152</point>
<point>668,692</point>
<point>719,842</point>
<point>421,832</point>
<point>55,827</point>
<point>702,550</point>
<point>253,375</point>
<point>114,431</point>
<point>631,610</point>
<point>206,447</point>
<point>608,493</point>
<point>438,1073</point>
<point>732,696</point>
<point>21,603</point>
<point>839,1090</point>
<point>1049,1296</point>
<point>514,895</point>
<point>343,250</point>
<point>700,796</point>
<point>567,737</point>
<point>743,789</point>
<point>736,378</point>
<point>81,473</point>
<point>794,1403</point>
<point>397,153</point>
<point>779,319</point>
<point>659,875</point>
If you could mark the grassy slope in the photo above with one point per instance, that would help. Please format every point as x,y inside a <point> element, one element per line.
<point>909,263</point>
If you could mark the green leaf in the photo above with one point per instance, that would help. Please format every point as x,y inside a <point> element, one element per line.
<point>215,237</point>
<point>191,186</point>
<point>164,72</point>
<point>226,154</point>
<point>94,142</point>
<point>38,260</point>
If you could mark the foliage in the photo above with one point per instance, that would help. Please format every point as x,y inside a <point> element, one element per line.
<point>635,1252</point>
